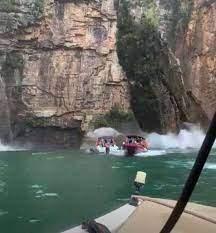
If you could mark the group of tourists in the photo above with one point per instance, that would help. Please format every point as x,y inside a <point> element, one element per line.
<point>107,143</point>
<point>135,144</point>
<point>139,142</point>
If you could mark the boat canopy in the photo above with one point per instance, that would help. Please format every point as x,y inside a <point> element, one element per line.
<point>135,137</point>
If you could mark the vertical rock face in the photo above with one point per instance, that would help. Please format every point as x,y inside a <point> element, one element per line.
<point>5,131</point>
<point>197,52</point>
<point>61,69</point>
<point>189,27</point>
<point>146,45</point>
<point>173,42</point>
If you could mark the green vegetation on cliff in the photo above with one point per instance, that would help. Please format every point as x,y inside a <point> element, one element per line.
<point>113,118</point>
<point>21,14</point>
<point>35,6</point>
<point>76,1</point>
<point>12,68</point>
<point>139,47</point>
<point>150,11</point>
<point>153,74</point>
<point>8,5</point>
<point>181,12</point>
<point>12,73</point>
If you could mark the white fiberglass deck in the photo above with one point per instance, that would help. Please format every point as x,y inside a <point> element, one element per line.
<point>112,220</point>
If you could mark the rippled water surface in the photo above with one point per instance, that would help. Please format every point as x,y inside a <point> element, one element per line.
<point>48,192</point>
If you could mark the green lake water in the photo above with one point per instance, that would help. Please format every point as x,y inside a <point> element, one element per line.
<point>50,192</point>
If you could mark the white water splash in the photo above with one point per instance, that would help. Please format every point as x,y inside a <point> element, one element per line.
<point>191,138</point>
<point>5,147</point>
<point>2,212</point>
<point>210,166</point>
<point>34,220</point>
<point>50,194</point>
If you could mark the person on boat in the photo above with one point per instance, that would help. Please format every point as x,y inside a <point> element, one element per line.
<point>113,143</point>
<point>144,143</point>
<point>107,146</point>
<point>125,142</point>
<point>140,147</point>
<point>98,142</point>
<point>123,145</point>
<point>102,142</point>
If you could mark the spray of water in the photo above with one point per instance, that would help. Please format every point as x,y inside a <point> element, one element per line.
<point>5,147</point>
<point>187,138</point>
<point>190,138</point>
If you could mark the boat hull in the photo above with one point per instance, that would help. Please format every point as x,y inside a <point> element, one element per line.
<point>120,152</point>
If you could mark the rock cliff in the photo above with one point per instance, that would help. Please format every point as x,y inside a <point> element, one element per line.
<point>5,132</point>
<point>197,52</point>
<point>155,34</point>
<point>60,67</point>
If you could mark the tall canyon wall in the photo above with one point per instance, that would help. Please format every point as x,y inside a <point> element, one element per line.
<point>189,27</point>
<point>59,66</point>
<point>167,48</point>
<point>196,50</point>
